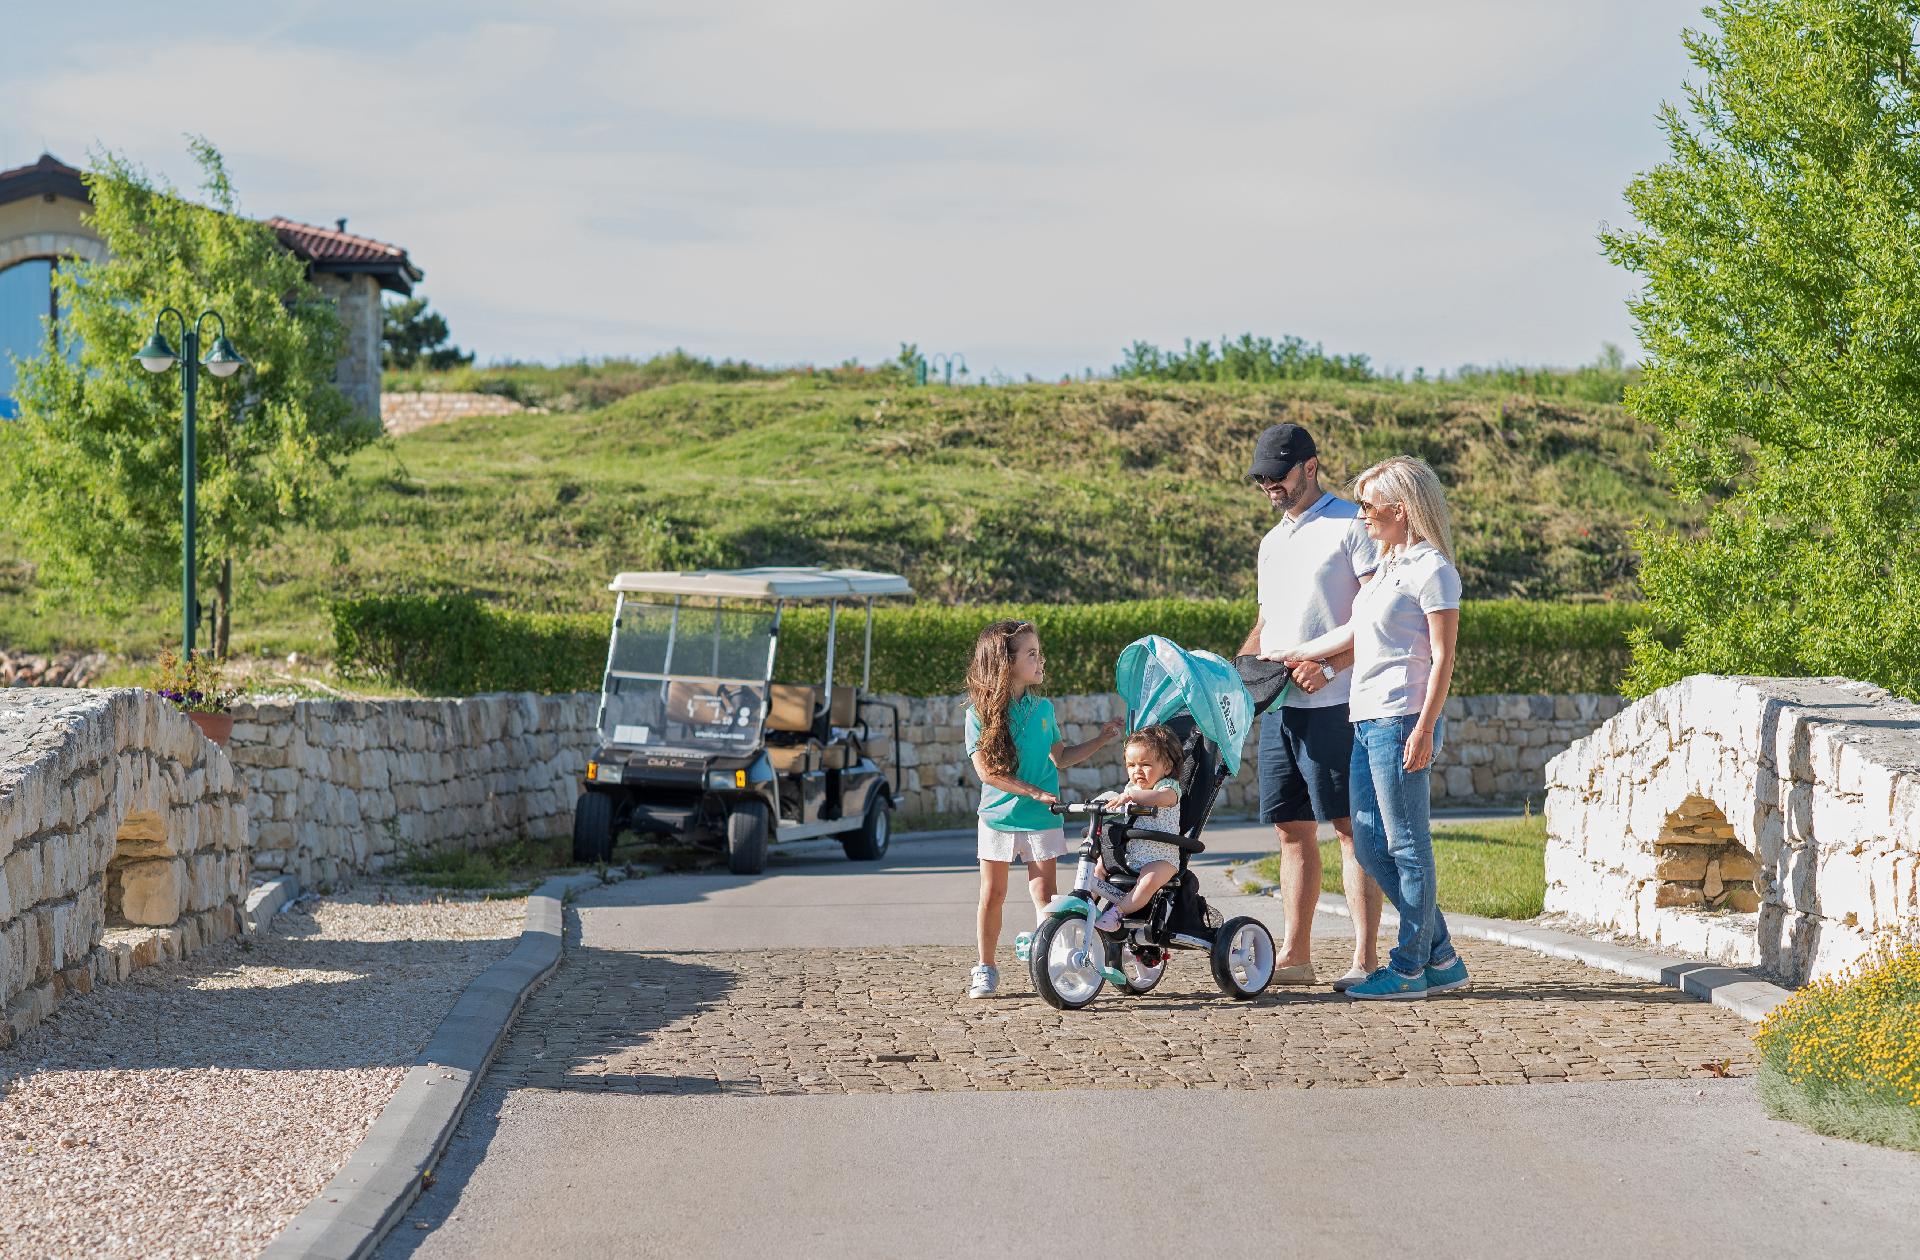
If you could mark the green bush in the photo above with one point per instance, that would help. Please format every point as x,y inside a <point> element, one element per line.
<point>457,645</point>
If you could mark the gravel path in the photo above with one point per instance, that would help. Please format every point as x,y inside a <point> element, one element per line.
<point>193,1110</point>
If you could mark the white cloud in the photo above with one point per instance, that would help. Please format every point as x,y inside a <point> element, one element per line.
<point>783,181</point>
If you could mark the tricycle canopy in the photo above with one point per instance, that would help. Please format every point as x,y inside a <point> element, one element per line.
<point>1158,679</point>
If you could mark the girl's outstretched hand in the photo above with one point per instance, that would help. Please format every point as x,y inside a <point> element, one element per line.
<point>1110,730</point>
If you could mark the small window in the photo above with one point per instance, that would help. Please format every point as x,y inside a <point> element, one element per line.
<point>26,300</point>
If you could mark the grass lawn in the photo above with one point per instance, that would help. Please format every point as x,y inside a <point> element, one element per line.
<point>1496,869</point>
<point>1033,493</point>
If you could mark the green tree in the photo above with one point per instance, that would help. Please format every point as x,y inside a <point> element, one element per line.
<point>414,335</point>
<point>90,472</point>
<point>1779,245</point>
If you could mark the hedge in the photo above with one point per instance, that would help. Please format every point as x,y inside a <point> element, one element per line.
<point>457,645</point>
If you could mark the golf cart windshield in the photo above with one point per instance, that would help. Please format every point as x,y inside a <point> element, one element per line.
<point>687,677</point>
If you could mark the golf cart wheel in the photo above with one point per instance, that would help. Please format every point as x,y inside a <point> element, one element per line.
<point>1064,962</point>
<point>1242,958</point>
<point>1140,977</point>
<point>869,844</point>
<point>593,827</point>
<point>747,838</point>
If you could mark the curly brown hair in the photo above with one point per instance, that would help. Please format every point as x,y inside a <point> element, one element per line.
<point>990,691</point>
<point>1163,744</point>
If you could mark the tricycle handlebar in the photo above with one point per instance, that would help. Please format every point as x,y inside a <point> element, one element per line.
<point>1100,808</point>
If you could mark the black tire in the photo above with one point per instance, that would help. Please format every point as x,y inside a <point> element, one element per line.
<point>1140,979</point>
<point>1242,974</point>
<point>593,827</point>
<point>1051,932</point>
<point>747,838</point>
<point>869,844</point>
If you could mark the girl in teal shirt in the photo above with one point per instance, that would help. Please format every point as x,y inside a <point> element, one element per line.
<point>1017,750</point>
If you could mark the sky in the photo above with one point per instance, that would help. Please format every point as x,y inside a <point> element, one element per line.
<point>1030,186</point>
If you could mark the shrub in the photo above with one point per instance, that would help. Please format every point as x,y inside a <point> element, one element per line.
<point>1842,1056</point>
<point>457,645</point>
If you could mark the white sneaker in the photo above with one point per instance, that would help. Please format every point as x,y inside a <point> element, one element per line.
<point>985,980</point>
<point>1354,976</point>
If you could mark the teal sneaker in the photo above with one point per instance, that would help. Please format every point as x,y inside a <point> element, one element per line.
<point>1389,985</point>
<point>1448,978</point>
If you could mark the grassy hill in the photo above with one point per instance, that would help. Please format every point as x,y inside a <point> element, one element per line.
<point>1096,491</point>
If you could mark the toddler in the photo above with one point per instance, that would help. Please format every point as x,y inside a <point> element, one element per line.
<point>1153,780</point>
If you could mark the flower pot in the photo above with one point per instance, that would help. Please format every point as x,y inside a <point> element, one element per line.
<point>217,727</point>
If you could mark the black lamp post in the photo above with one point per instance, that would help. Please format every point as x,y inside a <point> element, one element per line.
<point>223,360</point>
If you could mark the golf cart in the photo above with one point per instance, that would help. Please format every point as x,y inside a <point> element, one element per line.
<point>695,741</point>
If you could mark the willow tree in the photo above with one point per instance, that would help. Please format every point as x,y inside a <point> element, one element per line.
<point>90,471</point>
<point>1779,246</point>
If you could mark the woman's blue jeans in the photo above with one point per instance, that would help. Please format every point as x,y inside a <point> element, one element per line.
<point>1393,838</point>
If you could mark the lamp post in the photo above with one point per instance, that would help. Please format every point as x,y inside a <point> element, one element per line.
<point>222,360</point>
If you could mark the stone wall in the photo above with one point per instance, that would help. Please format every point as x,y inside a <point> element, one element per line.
<point>1495,752</point>
<point>337,787</point>
<point>357,374</point>
<point>122,843</point>
<point>405,412</point>
<point>1760,821</point>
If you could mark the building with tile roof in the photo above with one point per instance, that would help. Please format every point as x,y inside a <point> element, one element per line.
<point>42,225</point>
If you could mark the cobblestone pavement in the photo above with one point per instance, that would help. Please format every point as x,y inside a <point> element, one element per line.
<point>893,1020</point>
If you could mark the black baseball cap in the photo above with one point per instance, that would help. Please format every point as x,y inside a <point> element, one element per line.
<point>1279,450</point>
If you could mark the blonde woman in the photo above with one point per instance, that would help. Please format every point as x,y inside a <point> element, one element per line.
<point>1404,630</point>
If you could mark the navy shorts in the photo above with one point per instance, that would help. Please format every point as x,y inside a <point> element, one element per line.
<point>1304,760</point>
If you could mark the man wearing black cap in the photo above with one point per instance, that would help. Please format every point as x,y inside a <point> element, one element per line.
<point>1311,566</point>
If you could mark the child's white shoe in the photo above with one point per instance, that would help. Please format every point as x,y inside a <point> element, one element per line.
<point>985,981</point>
<point>1109,920</point>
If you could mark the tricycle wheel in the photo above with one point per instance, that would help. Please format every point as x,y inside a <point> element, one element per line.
<point>1141,978</point>
<point>869,844</point>
<point>1242,958</point>
<point>747,838</point>
<point>593,827</point>
<point>1064,961</point>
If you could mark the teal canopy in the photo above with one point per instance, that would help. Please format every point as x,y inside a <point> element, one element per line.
<point>1159,679</point>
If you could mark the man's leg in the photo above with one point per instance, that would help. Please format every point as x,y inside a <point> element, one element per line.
<point>1363,900</point>
<point>1285,804</point>
<point>1299,889</point>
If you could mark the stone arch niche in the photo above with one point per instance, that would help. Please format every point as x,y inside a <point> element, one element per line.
<point>122,843</point>
<point>1770,822</point>
<point>1701,865</point>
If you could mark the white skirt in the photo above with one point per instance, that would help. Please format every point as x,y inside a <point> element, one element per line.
<point>1020,846</point>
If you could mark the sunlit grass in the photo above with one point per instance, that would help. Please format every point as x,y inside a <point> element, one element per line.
<point>1496,869</point>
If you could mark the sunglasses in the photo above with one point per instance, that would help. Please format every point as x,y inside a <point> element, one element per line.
<point>1371,510</point>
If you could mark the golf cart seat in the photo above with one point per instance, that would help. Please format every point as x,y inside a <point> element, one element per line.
<point>792,708</point>
<point>796,758</point>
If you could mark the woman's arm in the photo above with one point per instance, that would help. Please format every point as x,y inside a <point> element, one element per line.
<point>1332,643</point>
<point>1007,783</point>
<point>1252,644</point>
<point>1443,631</point>
<point>1065,754</point>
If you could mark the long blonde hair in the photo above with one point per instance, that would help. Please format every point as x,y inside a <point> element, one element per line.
<point>1413,484</point>
<point>990,691</point>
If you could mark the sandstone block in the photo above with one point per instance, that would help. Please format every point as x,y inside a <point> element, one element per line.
<point>1678,895</point>
<point>1684,864</point>
<point>153,893</point>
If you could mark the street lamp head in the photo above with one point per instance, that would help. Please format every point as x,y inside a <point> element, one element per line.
<point>156,355</point>
<point>223,359</point>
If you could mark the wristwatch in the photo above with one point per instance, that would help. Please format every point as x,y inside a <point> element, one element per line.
<point>1326,670</point>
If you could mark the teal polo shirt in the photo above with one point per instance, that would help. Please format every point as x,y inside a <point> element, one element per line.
<point>1035,732</point>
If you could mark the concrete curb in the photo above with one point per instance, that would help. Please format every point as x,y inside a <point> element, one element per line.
<point>1746,994</point>
<point>389,1168</point>
<point>268,900</point>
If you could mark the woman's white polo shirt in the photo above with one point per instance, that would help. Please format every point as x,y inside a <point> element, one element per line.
<point>1392,649</point>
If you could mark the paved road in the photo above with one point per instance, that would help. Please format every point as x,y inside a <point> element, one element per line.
<point>787,1066</point>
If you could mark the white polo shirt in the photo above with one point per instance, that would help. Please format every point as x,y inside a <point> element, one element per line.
<point>1392,647</point>
<point>1310,571</point>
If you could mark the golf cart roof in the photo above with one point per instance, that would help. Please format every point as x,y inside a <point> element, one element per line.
<point>765,583</point>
